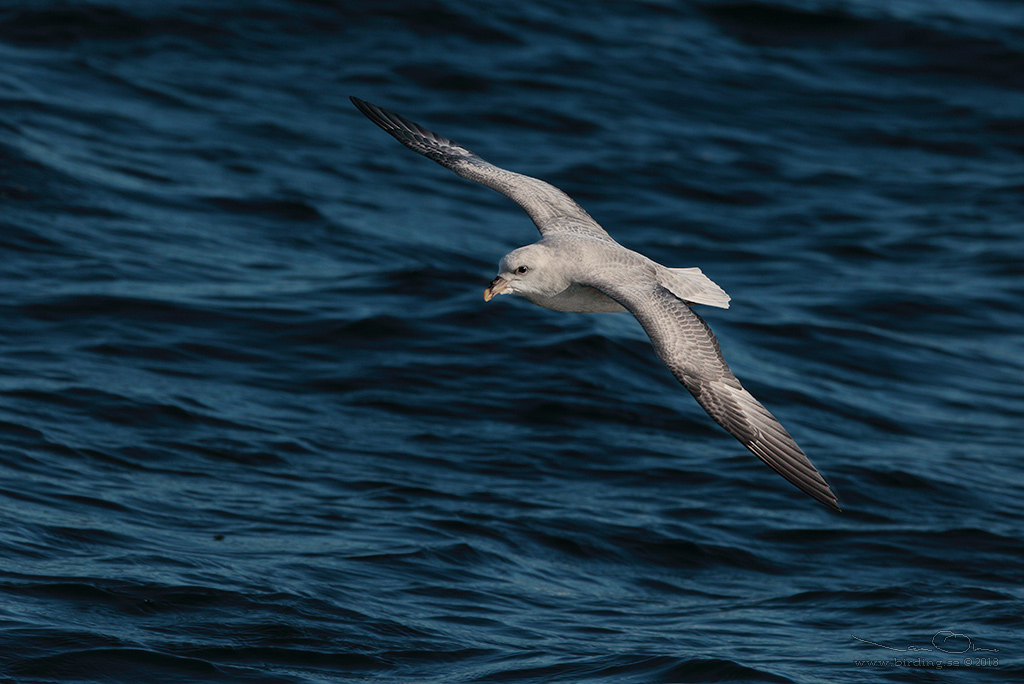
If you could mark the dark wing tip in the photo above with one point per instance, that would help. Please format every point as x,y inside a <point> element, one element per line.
<point>828,497</point>
<point>389,121</point>
<point>363,106</point>
<point>783,456</point>
<point>415,137</point>
<point>746,419</point>
<point>825,496</point>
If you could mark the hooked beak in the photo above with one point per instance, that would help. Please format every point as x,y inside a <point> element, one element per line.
<point>497,286</point>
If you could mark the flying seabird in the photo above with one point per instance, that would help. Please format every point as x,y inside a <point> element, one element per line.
<point>576,266</point>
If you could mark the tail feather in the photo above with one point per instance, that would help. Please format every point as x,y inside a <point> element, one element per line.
<point>691,285</point>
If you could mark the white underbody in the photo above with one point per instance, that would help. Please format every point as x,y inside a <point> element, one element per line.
<point>689,284</point>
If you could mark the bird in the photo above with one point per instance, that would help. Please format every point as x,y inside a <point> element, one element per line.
<point>576,266</point>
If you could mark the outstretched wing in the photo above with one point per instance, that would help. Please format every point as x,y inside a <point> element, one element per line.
<point>551,209</point>
<point>685,343</point>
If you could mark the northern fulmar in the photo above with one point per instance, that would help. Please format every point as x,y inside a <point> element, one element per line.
<point>576,266</point>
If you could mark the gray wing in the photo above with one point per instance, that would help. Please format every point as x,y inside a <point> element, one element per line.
<point>551,209</point>
<point>685,343</point>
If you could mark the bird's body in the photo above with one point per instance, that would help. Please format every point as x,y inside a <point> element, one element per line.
<point>578,267</point>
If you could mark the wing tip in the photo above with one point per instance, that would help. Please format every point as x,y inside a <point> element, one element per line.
<point>377,115</point>
<point>830,501</point>
<point>414,136</point>
<point>801,474</point>
<point>777,449</point>
<point>361,105</point>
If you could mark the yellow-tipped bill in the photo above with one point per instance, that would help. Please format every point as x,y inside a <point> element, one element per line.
<point>497,286</point>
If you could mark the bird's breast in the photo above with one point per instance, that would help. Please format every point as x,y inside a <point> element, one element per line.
<point>578,299</point>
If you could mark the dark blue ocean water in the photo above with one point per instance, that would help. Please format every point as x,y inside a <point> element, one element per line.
<point>258,425</point>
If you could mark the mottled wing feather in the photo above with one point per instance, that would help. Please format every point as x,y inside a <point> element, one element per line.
<point>551,209</point>
<point>685,343</point>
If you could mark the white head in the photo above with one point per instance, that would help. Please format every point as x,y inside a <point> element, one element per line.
<point>530,271</point>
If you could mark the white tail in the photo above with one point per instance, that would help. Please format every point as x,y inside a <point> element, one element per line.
<point>691,285</point>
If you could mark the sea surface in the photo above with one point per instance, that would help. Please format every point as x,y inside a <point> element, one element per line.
<point>257,423</point>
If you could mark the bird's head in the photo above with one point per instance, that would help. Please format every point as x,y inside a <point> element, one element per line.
<point>528,271</point>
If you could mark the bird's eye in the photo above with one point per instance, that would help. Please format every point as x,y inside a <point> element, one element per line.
<point>522,269</point>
